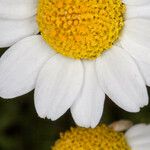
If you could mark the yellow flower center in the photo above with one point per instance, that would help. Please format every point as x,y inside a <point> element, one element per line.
<point>100,138</point>
<point>80,29</point>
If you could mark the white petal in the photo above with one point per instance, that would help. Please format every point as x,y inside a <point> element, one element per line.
<point>136,2</point>
<point>138,137</point>
<point>20,65</point>
<point>17,9</point>
<point>135,130</point>
<point>120,79</point>
<point>88,108</point>
<point>138,25</point>
<point>138,30</point>
<point>58,85</point>
<point>141,55</point>
<point>145,70</point>
<point>140,140</point>
<point>139,51</point>
<point>141,147</point>
<point>138,11</point>
<point>12,31</point>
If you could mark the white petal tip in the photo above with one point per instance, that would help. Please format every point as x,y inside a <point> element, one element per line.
<point>133,110</point>
<point>138,137</point>
<point>82,123</point>
<point>93,125</point>
<point>8,95</point>
<point>53,117</point>
<point>42,115</point>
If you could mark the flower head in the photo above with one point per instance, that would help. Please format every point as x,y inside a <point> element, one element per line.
<point>84,50</point>
<point>80,29</point>
<point>104,138</point>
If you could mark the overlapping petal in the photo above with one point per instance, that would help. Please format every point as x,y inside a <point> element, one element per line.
<point>136,2</point>
<point>17,9</point>
<point>20,65</point>
<point>58,85</point>
<point>137,47</point>
<point>88,107</point>
<point>121,80</point>
<point>138,137</point>
<point>12,31</point>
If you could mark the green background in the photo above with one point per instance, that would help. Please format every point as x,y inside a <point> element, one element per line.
<point>22,129</point>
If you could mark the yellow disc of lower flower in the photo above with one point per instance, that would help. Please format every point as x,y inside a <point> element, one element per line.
<point>80,29</point>
<point>99,138</point>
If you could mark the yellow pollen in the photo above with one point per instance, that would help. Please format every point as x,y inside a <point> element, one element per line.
<point>100,138</point>
<point>80,29</point>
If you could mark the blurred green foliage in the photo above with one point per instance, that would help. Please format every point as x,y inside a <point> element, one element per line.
<point>22,129</point>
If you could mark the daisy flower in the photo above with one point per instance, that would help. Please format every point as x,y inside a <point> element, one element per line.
<point>75,52</point>
<point>104,138</point>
